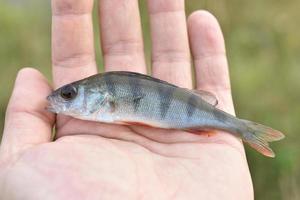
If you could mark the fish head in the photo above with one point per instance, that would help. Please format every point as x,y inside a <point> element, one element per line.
<point>67,100</point>
<point>76,99</point>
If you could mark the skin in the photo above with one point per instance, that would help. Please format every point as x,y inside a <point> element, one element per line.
<point>89,160</point>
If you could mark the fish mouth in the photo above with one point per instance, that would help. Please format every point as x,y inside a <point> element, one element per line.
<point>49,98</point>
<point>50,107</point>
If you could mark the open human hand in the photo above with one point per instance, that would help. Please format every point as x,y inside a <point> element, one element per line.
<point>90,160</point>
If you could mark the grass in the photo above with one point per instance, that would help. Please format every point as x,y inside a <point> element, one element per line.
<point>263,47</point>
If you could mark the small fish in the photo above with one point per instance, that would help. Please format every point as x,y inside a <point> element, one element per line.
<point>132,98</point>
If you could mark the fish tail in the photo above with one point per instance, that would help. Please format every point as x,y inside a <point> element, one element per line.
<point>258,136</point>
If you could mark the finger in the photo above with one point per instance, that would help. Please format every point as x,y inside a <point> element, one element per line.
<point>121,35</point>
<point>27,123</point>
<point>170,47</point>
<point>208,50</point>
<point>73,54</point>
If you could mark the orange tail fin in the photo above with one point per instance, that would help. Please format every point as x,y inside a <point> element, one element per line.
<point>258,136</point>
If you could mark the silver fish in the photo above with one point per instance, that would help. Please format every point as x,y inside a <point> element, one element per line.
<point>132,98</point>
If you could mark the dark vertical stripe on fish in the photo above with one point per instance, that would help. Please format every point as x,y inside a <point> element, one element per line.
<point>110,84</point>
<point>165,98</point>
<point>220,116</point>
<point>191,105</point>
<point>136,91</point>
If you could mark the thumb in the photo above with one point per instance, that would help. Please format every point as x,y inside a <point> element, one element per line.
<point>27,123</point>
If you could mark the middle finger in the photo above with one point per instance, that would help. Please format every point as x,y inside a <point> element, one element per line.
<point>121,35</point>
<point>170,46</point>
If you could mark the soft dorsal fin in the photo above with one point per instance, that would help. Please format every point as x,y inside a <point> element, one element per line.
<point>206,96</point>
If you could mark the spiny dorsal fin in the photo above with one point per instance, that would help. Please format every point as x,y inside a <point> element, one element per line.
<point>206,96</point>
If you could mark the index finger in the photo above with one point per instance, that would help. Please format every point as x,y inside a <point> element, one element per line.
<point>73,55</point>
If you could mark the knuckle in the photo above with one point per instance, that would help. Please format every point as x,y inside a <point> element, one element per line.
<point>170,56</point>
<point>122,47</point>
<point>75,59</point>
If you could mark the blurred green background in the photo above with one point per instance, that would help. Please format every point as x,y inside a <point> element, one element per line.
<point>263,46</point>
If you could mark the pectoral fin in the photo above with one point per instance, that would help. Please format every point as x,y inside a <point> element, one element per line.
<point>130,98</point>
<point>97,101</point>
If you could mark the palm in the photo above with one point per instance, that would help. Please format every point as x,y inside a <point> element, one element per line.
<point>91,160</point>
<point>175,170</point>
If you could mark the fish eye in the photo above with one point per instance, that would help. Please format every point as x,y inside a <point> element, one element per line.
<point>68,92</point>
